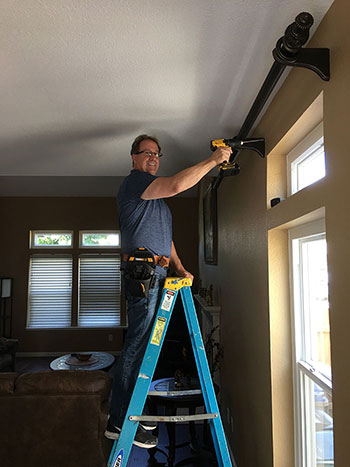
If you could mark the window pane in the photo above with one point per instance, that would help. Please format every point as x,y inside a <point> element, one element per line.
<point>100,239</point>
<point>99,291</point>
<point>313,408</point>
<point>311,169</point>
<point>316,312</point>
<point>318,424</point>
<point>46,239</point>
<point>50,292</point>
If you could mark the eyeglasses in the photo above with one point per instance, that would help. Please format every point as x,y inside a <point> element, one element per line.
<point>150,153</point>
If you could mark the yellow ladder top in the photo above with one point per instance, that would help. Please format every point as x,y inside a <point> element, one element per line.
<point>176,283</point>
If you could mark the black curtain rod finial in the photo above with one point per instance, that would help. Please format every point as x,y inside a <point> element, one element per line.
<point>304,20</point>
<point>296,35</point>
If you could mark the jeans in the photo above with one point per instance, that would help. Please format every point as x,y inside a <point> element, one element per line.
<point>141,313</point>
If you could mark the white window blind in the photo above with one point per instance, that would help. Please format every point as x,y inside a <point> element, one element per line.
<point>99,290</point>
<point>50,291</point>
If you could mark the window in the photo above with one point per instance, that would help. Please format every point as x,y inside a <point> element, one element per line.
<point>312,359</point>
<point>99,291</point>
<point>50,291</point>
<point>99,239</point>
<point>55,300</point>
<point>306,162</point>
<point>47,239</point>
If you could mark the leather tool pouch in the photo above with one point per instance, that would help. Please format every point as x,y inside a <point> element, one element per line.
<point>139,274</point>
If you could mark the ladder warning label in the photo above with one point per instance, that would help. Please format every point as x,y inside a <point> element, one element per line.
<point>168,300</point>
<point>158,331</point>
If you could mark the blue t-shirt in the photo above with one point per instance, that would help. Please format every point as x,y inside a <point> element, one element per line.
<point>143,223</point>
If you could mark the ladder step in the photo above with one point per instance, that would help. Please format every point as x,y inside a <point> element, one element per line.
<point>173,418</point>
<point>187,392</point>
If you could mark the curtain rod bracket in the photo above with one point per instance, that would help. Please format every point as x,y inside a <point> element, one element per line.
<point>316,60</point>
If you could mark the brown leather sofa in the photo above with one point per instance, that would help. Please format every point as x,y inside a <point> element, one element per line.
<point>53,418</point>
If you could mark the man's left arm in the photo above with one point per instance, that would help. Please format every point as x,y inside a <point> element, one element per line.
<point>175,262</point>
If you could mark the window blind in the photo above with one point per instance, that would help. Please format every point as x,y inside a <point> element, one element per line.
<point>50,291</point>
<point>99,290</point>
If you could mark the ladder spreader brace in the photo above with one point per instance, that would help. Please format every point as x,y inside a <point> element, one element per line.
<point>121,448</point>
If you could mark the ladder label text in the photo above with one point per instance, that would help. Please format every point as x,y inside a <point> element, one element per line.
<point>158,330</point>
<point>168,300</point>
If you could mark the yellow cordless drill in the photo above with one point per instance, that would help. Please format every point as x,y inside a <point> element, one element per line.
<point>237,144</point>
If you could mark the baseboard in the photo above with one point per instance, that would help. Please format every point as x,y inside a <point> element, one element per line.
<point>56,354</point>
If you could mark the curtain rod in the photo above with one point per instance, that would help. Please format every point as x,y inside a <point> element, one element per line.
<point>288,52</point>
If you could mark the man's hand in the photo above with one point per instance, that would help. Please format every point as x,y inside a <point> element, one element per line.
<point>183,273</point>
<point>221,155</point>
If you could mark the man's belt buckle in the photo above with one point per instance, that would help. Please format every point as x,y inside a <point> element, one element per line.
<point>163,261</point>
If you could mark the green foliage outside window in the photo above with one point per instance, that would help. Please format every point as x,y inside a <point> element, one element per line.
<point>53,239</point>
<point>95,239</point>
<point>100,239</point>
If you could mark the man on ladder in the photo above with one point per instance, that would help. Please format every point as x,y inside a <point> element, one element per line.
<point>146,228</point>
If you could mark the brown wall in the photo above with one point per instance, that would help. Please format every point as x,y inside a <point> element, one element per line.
<point>251,337</point>
<point>20,215</point>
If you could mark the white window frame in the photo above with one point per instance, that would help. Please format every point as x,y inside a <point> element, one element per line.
<point>302,368</point>
<point>33,233</point>
<point>299,153</point>
<point>82,232</point>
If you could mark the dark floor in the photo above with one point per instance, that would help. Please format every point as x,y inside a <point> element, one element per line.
<point>184,455</point>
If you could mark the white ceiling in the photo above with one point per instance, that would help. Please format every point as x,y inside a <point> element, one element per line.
<point>81,78</point>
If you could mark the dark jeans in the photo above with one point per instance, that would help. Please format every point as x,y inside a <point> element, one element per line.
<point>141,312</point>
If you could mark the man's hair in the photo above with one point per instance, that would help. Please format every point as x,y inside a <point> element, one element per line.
<point>135,147</point>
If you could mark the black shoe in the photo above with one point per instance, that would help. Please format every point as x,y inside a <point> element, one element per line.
<point>148,425</point>
<point>143,439</point>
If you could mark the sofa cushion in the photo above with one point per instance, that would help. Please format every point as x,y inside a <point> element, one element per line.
<point>51,431</point>
<point>7,383</point>
<point>65,382</point>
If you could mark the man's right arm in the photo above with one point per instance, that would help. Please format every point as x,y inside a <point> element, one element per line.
<point>165,187</point>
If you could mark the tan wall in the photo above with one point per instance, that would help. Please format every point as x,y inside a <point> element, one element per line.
<point>241,277</point>
<point>19,215</point>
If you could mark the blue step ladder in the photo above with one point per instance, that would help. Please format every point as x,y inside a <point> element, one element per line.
<point>121,448</point>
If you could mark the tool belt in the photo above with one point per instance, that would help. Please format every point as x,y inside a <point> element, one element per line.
<point>139,273</point>
<point>162,261</point>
